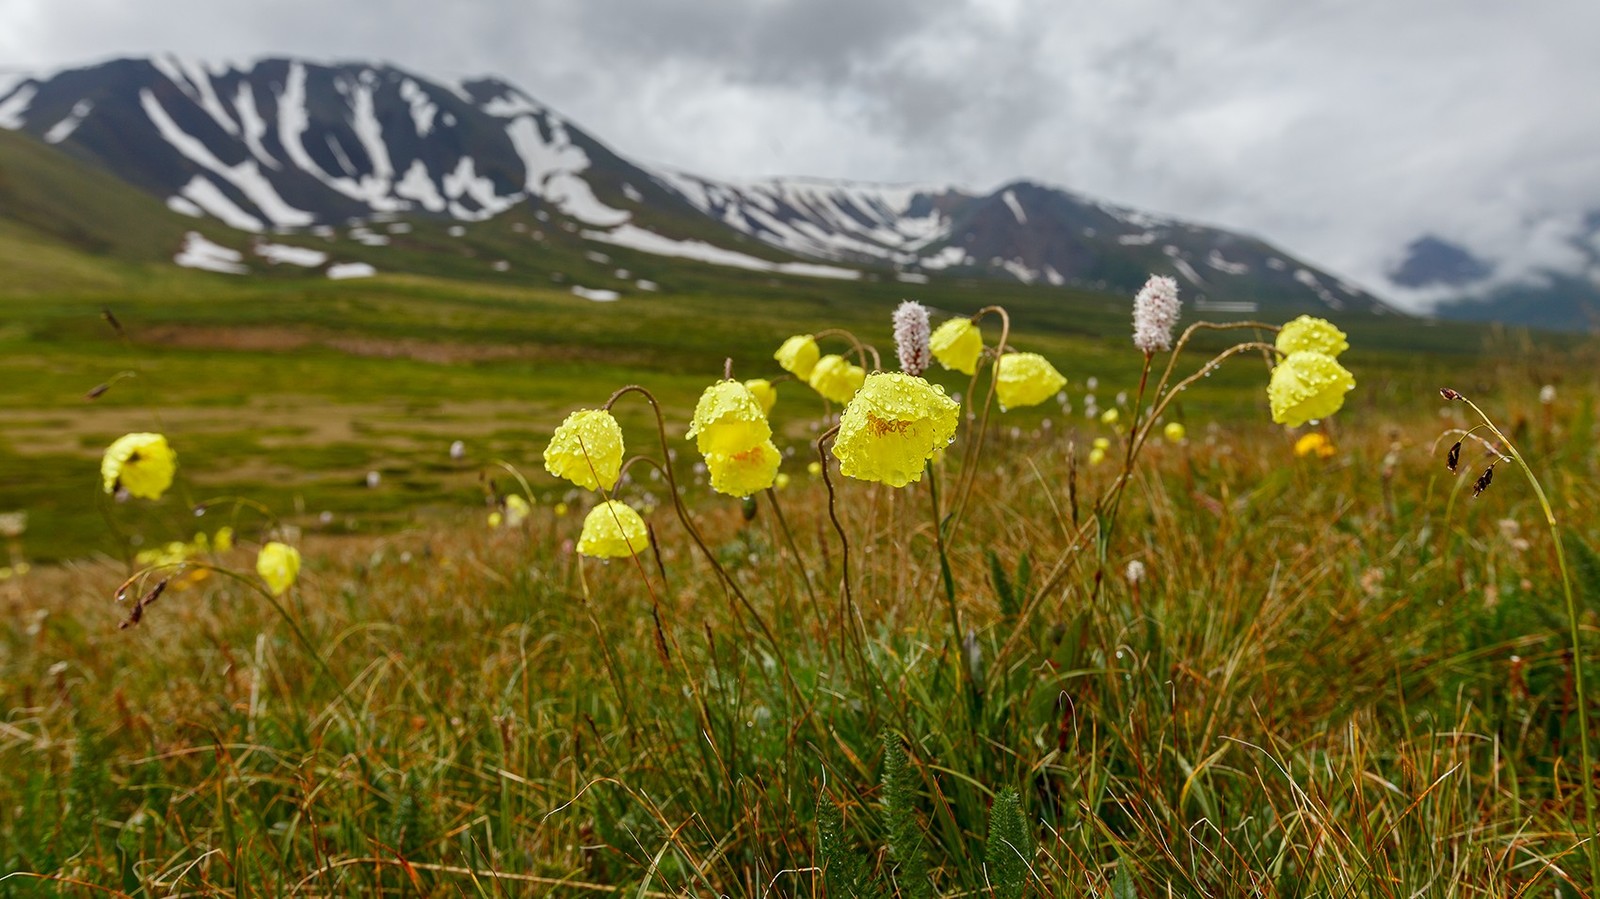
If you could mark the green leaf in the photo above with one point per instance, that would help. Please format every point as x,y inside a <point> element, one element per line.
<point>906,839</point>
<point>1010,849</point>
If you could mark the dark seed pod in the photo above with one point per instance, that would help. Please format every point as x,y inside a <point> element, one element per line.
<point>1452,460</point>
<point>1449,394</point>
<point>1483,481</point>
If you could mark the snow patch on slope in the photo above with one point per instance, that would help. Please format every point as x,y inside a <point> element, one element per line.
<point>636,238</point>
<point>200,253</point>
<point>15,106</point>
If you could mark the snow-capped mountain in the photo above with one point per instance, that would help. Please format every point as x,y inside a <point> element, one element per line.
<point>283,145</point>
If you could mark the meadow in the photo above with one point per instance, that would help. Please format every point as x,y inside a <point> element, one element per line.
<point>1241,670</point>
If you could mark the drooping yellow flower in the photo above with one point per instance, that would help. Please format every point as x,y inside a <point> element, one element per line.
<point>1314,443</point>
<point>1097,455</point>
<point>957,344</point>
<point>836,378</point>
<point>798,355</point>
<point>612,530</point>
<point>892,427</point>
<point>517,510</point>
<point>1312,334</point>
<point>745,472</point>
<point>1174,432</point>
<point>1110,416</point>
<point>764,392</point>
<point>1307,386</point>
<point>279,565</point>
<point>142,464</point>
<point>1026,379</point>
<point>586,449</point>
<point>728,419</point>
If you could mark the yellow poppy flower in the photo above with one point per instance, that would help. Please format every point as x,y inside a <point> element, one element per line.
<point>728,419</point>
<point>279,565</point>
<point>1101,443</point>
<point>957,344</point>
<point>496,519</point>
<point>781,481</point>
<point>1026,379</point>
<point>1110,416</point>
<point>612,530</point>
<point>1307,386</point>
<point>586,449</point>
<point>745,472</point>
<point>1312,334</point>
<point>223,541</point>
<point>798,355</point>
<point>764,392</point>
<point>142,464</point>
<point>1097,455</point>
<point>517,510</point>
<point>1314,443</point>
<point>814,469</point>
<point>837,379</point>
<point>892,427</point>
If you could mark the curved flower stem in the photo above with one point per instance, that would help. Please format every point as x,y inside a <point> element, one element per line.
<point>1183,340</point>
<point>969,459</point>
<point>861,349</point>
<point>794,550</point>
<point>848,614</point>
<point>694,532</point>
<point>1574,634</point>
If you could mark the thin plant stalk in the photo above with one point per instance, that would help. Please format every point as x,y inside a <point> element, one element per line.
<point>969,459</point>
<point>1574,634</point>
<point>694,532</point>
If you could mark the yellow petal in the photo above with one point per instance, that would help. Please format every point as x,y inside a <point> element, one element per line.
<point>1306,386</point>
<point>586,449</point>
<point>1026,379</point>
<point>836,378</point>
<point>1312,334</point>
<point>764,392</point>
<point>957,344</point>
<point>728,419</point>
<point>142,464</point>
<point>746,472</point>
<point>612,530</point>
<point>892,427</point>
<point>798,355</point>
<point>279,565</point>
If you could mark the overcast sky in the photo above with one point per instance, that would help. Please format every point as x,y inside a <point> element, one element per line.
<point>1339,130</point>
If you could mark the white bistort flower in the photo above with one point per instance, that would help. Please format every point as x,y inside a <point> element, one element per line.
<point>911,331</point>
<point>1155,314</point>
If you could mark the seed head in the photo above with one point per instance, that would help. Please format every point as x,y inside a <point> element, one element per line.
<point>1449,394</point>
<point>1483,481</point>
<point>1452,459</point>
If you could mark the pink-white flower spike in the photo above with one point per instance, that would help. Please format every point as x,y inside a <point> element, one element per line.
<point>1155,314</point>
<point>911,337</point>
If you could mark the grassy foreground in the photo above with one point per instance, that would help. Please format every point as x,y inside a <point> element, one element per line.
<point>1338,676</point>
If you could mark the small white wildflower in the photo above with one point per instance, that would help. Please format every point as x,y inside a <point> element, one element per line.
<point>1155,314</point>
<point>1547,394</point>
<point>458,451</point>
<point>1135,571</point>
<point>911,333</point>
<point>374,479</point>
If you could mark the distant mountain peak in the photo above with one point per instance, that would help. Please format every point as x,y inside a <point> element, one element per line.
<point>284,144</point>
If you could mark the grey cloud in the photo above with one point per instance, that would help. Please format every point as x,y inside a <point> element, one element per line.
<point>1341,129</point>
